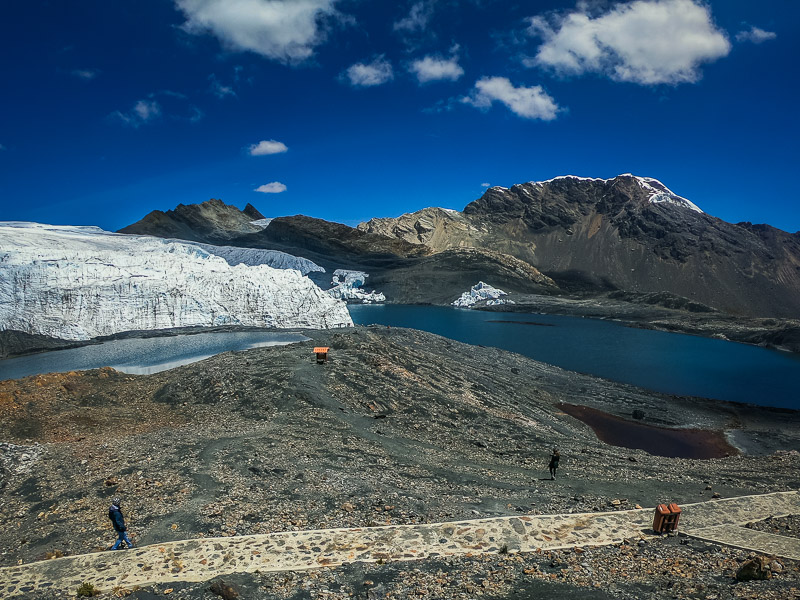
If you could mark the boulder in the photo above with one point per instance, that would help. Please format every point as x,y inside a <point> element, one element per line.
<point>755,568</point>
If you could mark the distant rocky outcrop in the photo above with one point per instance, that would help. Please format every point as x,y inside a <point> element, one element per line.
<point>212,222</point>
<point>252,212</point>
<point>627,233</point>
<point>441,278</point>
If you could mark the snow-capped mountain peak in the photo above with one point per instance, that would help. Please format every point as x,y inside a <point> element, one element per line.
<point>657,191</point>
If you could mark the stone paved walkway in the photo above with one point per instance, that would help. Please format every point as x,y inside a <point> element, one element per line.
<point>205,558</point>
<point>747,539</point>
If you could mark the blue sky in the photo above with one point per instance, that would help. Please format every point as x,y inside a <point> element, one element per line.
<point>350,109</point>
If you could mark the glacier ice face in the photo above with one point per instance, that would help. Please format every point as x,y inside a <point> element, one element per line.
<point>478,292</point>
<point>83,282</point>
<point>253,257</point>
<point>499,302</point>
<point>346,286</point>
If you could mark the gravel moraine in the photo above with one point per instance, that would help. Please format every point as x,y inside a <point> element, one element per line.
<point>400,427</point>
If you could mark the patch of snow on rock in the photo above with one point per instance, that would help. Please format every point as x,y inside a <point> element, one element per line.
<point>263,223</point>
<point>660,193</point>
<point>479,291</point>
<point>82,282</point>
<point>347,284</point>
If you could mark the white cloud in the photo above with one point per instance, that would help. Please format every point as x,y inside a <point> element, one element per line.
<point>265,147</point>
<point>378,72</point>
<point>527,102</point>
<point>142,112</point>
<point>436,69</point>
<point>276,187</point>
<point>486,185</point>
<point>283,30</point>
<point>755,35</point>
<point>87,74</point>
<point>646,41</point>
<point>417,19</point>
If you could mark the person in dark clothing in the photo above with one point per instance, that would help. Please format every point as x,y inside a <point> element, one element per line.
<point>554,458</point>
<point>118,521</point>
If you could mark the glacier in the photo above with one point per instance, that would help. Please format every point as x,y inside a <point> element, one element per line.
<point>252,257</point>
<point>347,284</point>
<point>478,292</point>
<point>78,283</point>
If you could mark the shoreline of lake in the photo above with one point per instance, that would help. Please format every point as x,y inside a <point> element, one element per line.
<point>770,333</point>
<point>667,362</point>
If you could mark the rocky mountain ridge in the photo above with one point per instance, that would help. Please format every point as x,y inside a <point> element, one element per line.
<point>626,233</point>
<point>583,236</point>
<point>406,272</point>
<point>212,222</point>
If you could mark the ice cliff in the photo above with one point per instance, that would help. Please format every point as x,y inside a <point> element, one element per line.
<point>478,292</point>
<point>347,284</point>
<point>83,282</point>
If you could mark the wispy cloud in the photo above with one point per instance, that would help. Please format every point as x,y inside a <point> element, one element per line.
<point>433,68</point>
<point>165,103</point>
<point>142,112</point>
<point>276,187</point>
<point>282,30</point>
<point>85,74</point>
<point>755,35</point>
<point>417,19</point>
<point>646,41</point>
<point>220,90</point>
<point>266,147</point>
<point>527,102</point>
<point>378,72</point>
<point>486,185</point>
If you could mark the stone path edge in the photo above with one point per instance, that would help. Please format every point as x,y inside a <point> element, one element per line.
<point>201,559</point>
<point>747,539</point>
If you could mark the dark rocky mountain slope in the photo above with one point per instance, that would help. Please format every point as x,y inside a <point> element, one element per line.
<point>212,222</point>
<point>407,272</point>
<point>627,233</point>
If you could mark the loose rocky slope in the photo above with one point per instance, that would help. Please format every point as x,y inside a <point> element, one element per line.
<point>399,427</point>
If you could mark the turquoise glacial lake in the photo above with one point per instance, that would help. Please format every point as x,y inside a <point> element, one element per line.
<point>143,356</point>
<point>671,363</point>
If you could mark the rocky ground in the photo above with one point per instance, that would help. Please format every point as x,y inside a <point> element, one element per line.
<point>665,312</point>
<point>788,526</point>
<point>665,568</point>
<point>398,427</point>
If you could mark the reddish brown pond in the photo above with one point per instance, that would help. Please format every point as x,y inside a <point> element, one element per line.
<point>660,441</point>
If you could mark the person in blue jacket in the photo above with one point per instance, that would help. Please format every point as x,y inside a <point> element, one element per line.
<point>118,521</point>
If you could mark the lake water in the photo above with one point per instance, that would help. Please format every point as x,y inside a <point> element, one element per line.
<point>666,362</point>
<point>143,356</point>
